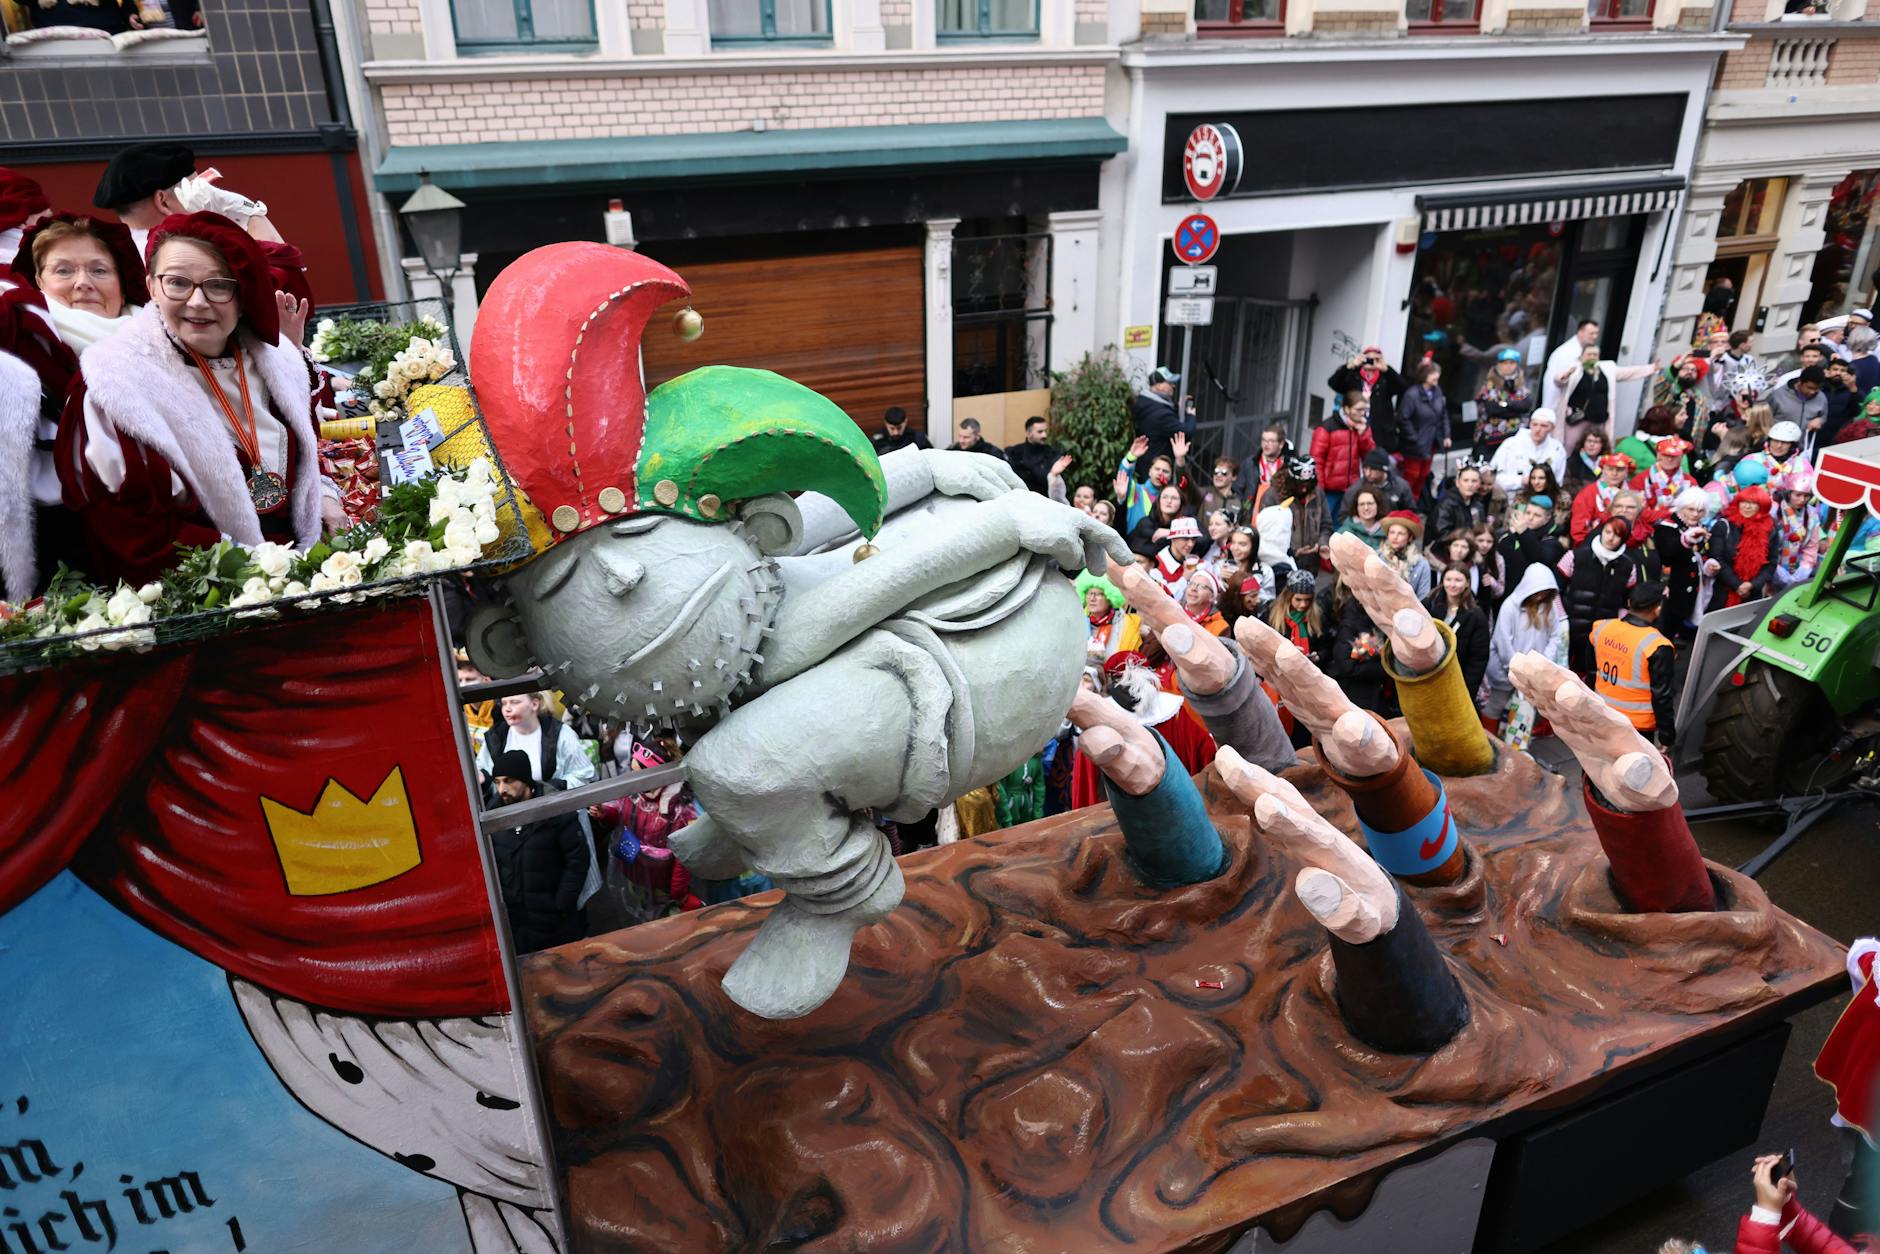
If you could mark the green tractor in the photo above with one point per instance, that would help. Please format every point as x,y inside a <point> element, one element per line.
<point>1783,695</point>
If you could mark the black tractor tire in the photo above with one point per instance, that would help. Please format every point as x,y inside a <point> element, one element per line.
<point>1771,738</point>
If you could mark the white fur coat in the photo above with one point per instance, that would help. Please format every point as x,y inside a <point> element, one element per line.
<point>19,426</point>
<point>138,385</point>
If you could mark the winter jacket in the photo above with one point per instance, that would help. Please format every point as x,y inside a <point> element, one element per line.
<point>1396,492</point>
<point>1422,421</point>
<point>983,446</point>
<point>1681,568</point>
<point>1788,405</point>
<point>1802,1231</point>
<point>1033,463</point>
<point>1157,417</point>
<point>1383,394</point>
<point>1311,529</point>
<point>909,438</point>
<point>1500,409</point>
<point>1455,514</point>
<point>1338,452</point>
<point>1520,549</point>
<point>541,868</point>
<point>1142,538</point>
<point>1514,635</point>
<point>1595,589</point>
<point>1471,629</point>
<point>1372,535</point>
<point>1362,680</point>
<point>1518,454</point>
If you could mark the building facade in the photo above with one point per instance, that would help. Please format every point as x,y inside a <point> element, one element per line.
<point>1431,178</point>
<point>895,203</point>
<point>1784,179</point>
<point>254,88</point>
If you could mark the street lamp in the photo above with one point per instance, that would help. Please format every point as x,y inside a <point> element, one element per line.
<point>435,220</point>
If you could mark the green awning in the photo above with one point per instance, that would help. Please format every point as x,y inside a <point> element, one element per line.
<point>748,155</point>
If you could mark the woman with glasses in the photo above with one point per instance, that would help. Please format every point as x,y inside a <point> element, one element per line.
<point>88,271</point>
<point>195,421</point>
<point>72,283</point>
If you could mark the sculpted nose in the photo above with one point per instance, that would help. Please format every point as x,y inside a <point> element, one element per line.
<point>621,575</point>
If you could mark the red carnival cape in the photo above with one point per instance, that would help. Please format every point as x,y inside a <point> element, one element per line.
<point>1850,1059</point>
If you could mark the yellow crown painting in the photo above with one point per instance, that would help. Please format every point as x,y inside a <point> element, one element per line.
<point>344,844</point>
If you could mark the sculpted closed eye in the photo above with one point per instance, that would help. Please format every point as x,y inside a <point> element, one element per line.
<point>557,575</point>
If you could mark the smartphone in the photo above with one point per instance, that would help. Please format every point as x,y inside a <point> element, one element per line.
<point>1784,1166</point>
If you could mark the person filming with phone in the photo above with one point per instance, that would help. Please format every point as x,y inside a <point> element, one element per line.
<point>1776,1219</point>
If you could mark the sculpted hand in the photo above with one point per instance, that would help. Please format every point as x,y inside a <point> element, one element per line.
<point>1122,748</point>
<point>1626,768</point>
<point>971,474</point>
<point>1074,538</point>
<point>1204,662</point>
<point>1392,605</point>
<point>1354,744</point>
<point>1343,887</point>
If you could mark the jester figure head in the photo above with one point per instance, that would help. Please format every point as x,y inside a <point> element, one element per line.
<point>657,516</point>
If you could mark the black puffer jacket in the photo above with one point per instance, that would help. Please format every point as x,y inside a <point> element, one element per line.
<point>1471,628</point>
<point>541,868</point>
<point>1596,590</point>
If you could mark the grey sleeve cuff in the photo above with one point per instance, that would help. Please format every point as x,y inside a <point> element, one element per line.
<point>1242,716</point>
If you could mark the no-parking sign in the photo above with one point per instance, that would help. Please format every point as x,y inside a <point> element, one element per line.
<point>1196,239</point>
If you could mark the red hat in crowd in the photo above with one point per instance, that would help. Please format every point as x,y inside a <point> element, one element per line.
<point>1618,459</point>
<point>20,198</point>
<point>246,264</point>
<point>1407,519</point>
<point>289,268</point>
<point>1116,663</point>
<point>1676,444</point>
<point>1701,363</point>
<point>116,238</point>
<point>1250,584</point>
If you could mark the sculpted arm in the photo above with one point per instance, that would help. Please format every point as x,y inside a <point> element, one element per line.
<point>913,474</point>
<point>821,619</point>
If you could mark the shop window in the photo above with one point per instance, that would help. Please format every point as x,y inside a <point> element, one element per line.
<point>1241,17</point>
<point>1619,12</point>
<point>987,19</point>
<point>1475,292</point>
<point>1001,312</point>
<point>1752,208</point>
<point>80,27</point>
<point>487,26</point>
<point>1448,15</point>
<point>1844,277</point>
<point>769,21</point>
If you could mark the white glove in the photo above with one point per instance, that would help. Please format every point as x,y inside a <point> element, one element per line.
<point>199,194</point>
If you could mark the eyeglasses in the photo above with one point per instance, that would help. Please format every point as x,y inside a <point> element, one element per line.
<point>1221,470</point>
<point>98,272</point>
<point>180,288</point>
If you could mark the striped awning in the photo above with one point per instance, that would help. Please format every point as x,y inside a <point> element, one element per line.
<point>1486,210</point>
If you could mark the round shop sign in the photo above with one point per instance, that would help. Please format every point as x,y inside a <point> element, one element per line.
<point>1211,163</point>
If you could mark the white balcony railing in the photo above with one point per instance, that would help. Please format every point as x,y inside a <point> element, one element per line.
<point>1799,62</point>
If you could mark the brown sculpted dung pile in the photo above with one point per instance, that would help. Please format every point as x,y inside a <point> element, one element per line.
<point>1029,1054</point>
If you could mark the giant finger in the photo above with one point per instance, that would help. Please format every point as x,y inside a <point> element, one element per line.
<point>1337,906</point>
<point>1289,820</point>
<point>1204,662</point>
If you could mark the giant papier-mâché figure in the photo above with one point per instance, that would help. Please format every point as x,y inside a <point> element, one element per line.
<point>897,635</point>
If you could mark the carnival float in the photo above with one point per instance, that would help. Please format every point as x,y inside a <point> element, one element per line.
<point>1403,981</point>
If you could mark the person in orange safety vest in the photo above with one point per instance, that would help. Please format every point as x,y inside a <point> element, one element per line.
<point>1636,664</point>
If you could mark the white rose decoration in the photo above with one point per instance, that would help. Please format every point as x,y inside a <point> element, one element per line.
<point>273,560</point>
<point>126,608</point>
<point>149,593</point>
<point>376,549</point>
<point>461,533</point>
<point>342,568</point>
